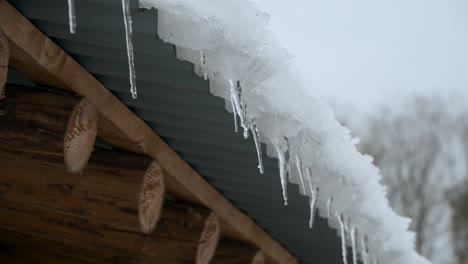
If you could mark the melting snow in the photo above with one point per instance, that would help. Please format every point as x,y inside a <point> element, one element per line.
<point>231,44</point>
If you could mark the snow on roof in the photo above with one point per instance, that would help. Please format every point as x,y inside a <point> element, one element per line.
<point>230,44</point>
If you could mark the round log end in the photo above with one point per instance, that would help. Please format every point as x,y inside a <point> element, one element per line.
<point>80,136</point>
<point>258,258</point>
<point>151,197</point>
<point>4,58</point>
<point>208,240</point>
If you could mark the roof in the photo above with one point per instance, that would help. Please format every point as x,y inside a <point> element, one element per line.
<point>177,104</point>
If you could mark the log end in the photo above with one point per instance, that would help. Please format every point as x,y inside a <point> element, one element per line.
<point>259,258</point>
<point>151,197</point>
<point>4,59</point>
<point>80,136</point>
<point>208,240</point>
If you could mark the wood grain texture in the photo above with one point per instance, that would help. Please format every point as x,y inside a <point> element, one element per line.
<point>80,136</point>
<point>34,121</point>
<point>4,59</point>
<point>43,62</point>
<point>99,210</point>
<point>236,252</point>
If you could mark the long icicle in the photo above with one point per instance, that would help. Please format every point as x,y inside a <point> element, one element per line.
<point>353,234</point>
<point>287,157</point>
<point>72,16</point>
<point>282,169</point>
<point>314,194</point>
<point>343,237</point>
<point>130,55</point>
<point>234,112</point>
<point>299,169</point>
<point>364,250</point>
<point>236,94</point>
<point>204,71</point>
<point>258,146</point>
<point>329,204</point>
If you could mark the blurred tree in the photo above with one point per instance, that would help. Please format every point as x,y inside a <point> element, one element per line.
<point>422,150</point>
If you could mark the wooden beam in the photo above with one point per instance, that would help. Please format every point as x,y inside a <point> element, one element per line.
<point>4,58</point>
<point>236,252</point>
<point>34,122</point>
<point>100,207</point>
<point>43,62</point>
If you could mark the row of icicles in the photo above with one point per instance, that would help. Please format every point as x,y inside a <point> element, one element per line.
<point>240,111</point>
<point>128,37</point>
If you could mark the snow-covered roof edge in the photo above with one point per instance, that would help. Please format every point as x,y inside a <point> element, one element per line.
<point>229,43</point>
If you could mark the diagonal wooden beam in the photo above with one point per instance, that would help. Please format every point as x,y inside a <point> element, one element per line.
<point>43,62</point>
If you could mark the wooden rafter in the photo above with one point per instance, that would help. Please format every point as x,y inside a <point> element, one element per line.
<point>43,62</point>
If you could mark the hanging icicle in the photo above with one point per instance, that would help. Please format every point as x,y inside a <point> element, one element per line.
<point>258,145</point>
<point>343,237</point>
<point>287,156</point>
<point>72,16</point>
<point>329,204</point>
<point>282,170</point>
<point>313,203</point>
<point>352,234</point>
<point>204,71</point>
<point>364,250</point>
<point>240,109</point>
<point>299,169</point>
<point>130,55</point>
<point>234,112</point>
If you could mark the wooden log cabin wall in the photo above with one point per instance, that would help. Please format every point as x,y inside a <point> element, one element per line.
<point>61,201</point>
<point>112,211</point>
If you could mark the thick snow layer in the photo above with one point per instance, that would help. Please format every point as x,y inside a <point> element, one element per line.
<point>229,43</point>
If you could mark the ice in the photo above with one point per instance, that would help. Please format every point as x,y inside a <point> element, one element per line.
<point>204,70</point>
<point>72,16</point>
<point>248,66</point>
<point>299,169</point>
<point>129,41</point>
<point>343,237</point>
<point>282,169</point>
<point>364,250</point>
<point>313,202</point>
<point>329,204</point>
<point>238,107</point>
<point>352,234</point>
<point>258,146</point>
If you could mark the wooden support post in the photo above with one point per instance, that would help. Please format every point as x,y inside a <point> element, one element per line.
<point>100,206</point>
<point>34,122</point>
<point>236,252</point>
<point>4,58</point>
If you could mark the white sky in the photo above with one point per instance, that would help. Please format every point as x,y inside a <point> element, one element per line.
<point>367,52</point>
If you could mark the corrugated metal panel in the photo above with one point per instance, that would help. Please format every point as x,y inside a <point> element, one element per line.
<point>178,106</point>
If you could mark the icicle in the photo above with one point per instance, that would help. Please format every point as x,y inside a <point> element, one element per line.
<point>287,157</point>
<point>130,55</point>
<point>352,234</point>
<point>282,169</point>
<point>72,16</point>
<point>299,169</point>
<point>364,250</point>
<point>313,204</point>
<point>343,237</point>
<point>236,93</point>
<point>234,112</point>
<point>204,71</point>
<point>329,203</point>
<point>258,146</point>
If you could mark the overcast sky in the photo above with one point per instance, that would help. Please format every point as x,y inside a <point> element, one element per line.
<point>367,52</point>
